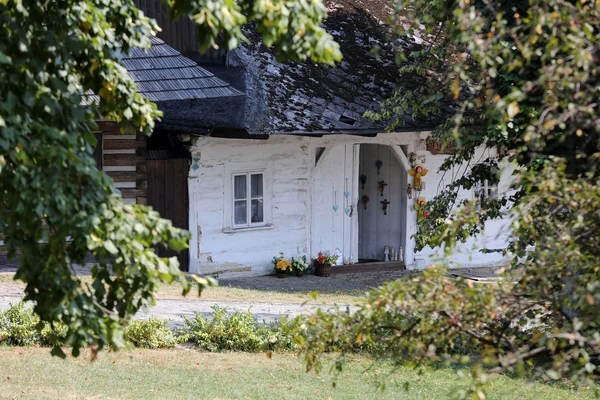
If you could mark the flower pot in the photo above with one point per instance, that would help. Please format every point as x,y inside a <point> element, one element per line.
<point>322,269</point>
<point>299,274</point>
<point>281,275</point>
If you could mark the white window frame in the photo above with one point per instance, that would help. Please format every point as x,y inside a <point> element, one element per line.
<point>490,191</point>
<point>247,169</point>
<point>248,199</point>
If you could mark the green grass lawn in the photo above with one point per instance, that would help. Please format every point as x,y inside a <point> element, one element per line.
<point>31,373</point>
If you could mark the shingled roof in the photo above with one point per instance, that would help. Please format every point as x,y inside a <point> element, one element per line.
<point>163,74</point>
<point>307,98</point>
<point>191,98</point>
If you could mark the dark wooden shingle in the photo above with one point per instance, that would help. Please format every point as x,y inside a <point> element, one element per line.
<point>163,74</point>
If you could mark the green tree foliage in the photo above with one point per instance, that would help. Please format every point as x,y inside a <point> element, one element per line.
<point>521,75</point>
<point>522,78</point>
<point>55,206</point>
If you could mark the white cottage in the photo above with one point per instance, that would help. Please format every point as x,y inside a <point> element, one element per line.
<point>251,199</point>
<point>306,172</point>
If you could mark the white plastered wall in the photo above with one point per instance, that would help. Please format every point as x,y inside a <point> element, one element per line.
<point>295,192</point>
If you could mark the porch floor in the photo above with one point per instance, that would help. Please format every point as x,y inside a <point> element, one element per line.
<point>371,266</point>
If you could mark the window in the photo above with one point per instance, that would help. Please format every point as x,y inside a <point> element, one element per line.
<point>485,191</point>
<point>247,196</point>
<point>248,199</point>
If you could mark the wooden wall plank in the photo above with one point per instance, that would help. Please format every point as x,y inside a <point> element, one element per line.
<point>169,190</point>
<point>109,127</point>
<point>159,194</point>
<point>167,193</point>
<point>122,159</point>
<point>180,215</point>
<point>120,144</point>
<point>98,150</point>
<point>126,176</point>
<point>132,192</point>
<point>346,202</point>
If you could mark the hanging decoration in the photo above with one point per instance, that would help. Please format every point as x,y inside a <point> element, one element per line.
<point>412,158</point>
<point>346,191</point>
<point>409,190</point>
<point>418,172</point>
<point>385,203</point>
<point>335,205</point>
<point>420,207</point>
<point>378,164</point>
<point>348,208</point>
<point>382,186</point>
<point>365,201</point>
<point>363,180</point>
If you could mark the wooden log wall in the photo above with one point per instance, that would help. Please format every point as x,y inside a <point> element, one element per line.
<point>123,158</point>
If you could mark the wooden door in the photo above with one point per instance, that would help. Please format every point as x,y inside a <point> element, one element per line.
<point>168,194</point>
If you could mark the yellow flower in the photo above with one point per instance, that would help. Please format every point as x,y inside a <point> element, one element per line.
<point>284,265</point>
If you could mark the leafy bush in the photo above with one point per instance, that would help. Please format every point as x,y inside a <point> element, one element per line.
<point>152,333</point>
<point>237,332</point>
<point>19,327</point>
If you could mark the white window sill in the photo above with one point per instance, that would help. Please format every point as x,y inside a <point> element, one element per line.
<point>249,228</point>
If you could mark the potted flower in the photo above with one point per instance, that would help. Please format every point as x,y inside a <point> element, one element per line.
<point>323,263</point>
<point>282,266</point>
<point>299,265</point>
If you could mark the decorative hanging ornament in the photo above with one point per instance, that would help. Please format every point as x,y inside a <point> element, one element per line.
<point>335,205</point>
<point>382,186</point>
<point>378,164</point>
<point>409,190</point>
<point>385,203</point>
<point>412,158</point>
<point>420,207</point>
<point>418,172</point>
<point>363,180</point>
<point>346,191</point>
<point>365,201</point>
<point>347,210</point>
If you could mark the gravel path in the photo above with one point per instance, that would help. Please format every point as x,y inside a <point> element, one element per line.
<point>334,283</point>
<point>174,309</point>
<point>264,312</point>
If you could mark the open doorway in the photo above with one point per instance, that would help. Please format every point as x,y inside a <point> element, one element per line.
<point>382,185</point>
